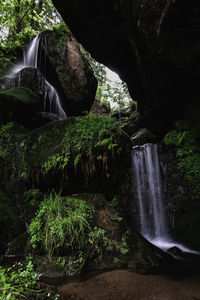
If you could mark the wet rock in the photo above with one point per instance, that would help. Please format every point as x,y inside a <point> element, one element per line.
<point>42,118</point>
<point>68,71</point>
<point>142,137</point>
<point>175,251</point>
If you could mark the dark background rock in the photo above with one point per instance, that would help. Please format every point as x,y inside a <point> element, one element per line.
<point>153,46</point>
<point>142,137</point>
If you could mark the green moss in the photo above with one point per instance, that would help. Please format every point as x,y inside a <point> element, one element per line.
<point>81,142</point>
<point>22,94</point>
<point>69,226</point>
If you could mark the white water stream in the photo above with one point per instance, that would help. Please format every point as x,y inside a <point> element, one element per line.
<point>52,102</point>
<point>151,214</point>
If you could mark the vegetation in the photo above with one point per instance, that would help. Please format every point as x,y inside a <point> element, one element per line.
<point>80,143</point>
<point>23,19</point>
<point>20,282</point>
<point>66,226</point>
<point>60,223</point>
<point>114,92</point>
<point>186,140</point>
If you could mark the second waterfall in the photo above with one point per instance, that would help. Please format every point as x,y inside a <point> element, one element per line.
<point>52,102</point>
<point>148,190</point>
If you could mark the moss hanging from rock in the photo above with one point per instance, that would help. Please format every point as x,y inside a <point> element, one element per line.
<point>76,154</point>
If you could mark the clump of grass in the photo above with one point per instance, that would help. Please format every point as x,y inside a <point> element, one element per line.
<point>60,223</point>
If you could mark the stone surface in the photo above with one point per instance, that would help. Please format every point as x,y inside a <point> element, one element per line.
<point>153,45</point>
<point>68,71</point>
<point>20,105</point>
<point>99,109</point>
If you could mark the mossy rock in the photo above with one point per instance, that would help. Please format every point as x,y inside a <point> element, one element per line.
<point>77,154</point>
<point>20,105</point>
<point>100,239</point>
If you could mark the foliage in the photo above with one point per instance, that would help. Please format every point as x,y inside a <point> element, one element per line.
<point>87,140</point>
<point>5,136</point>
<point>115,92</point>
<point>67,226</point>
<point>23,19</point>
<point>186,140</point>
<point>60,222</point>
<point>20,282</point>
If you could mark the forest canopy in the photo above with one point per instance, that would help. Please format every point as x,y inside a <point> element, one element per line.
<point>23,19</point>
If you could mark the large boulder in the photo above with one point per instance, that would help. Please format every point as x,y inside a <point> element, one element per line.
<point>68,70</point>
<point>153,45</point>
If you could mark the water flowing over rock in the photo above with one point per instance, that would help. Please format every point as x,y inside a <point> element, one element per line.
<point>52,102</point>
<point>147,185</point>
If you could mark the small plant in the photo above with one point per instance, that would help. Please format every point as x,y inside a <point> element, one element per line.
<point>57,160</point>
<point>20,282</point>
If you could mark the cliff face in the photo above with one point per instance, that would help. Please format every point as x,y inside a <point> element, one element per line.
<point>153,45</point>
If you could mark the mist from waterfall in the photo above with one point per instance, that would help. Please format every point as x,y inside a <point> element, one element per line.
<point>52,102</point>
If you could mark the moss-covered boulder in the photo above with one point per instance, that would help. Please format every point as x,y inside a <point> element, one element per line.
<point>86,233</point>
<point>77,154</point>
<point>19,105</point>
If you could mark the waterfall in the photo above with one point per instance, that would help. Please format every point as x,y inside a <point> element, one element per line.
<point>52,102</point>
<point>151,218</point>
<point>147,185</point>
<point>31,55</point>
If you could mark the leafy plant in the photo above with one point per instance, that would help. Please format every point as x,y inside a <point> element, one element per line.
<point>185,139</point>
<point>23,19</point>
<point>20,282</point>
<point>60,222</point>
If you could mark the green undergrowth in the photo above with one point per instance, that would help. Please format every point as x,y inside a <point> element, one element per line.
<point>20,282</point>
<point>9,134</point>
<point>81,142</point>
<point>20,93</point>
<point>185,139</point>
<point>67,227</point>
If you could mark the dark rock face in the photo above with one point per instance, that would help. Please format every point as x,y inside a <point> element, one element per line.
<point>68,70</point>
<point>20,105</point>
<point>153,45</point>
<point>175,251</point>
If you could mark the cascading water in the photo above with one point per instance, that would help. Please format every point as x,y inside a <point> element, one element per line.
<point>149,201</point>
<point>148,189</point>
<point>52,103</point>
